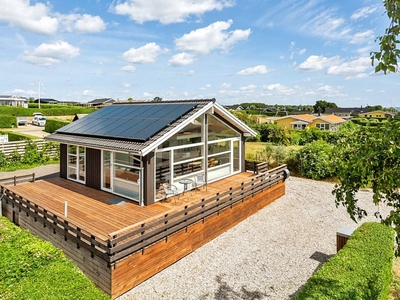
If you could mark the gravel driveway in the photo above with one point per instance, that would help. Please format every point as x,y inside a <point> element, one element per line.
<point>268,256</point>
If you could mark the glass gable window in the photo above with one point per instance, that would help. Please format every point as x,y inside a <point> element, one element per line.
<point>217,130</point>
<point>191,134</point>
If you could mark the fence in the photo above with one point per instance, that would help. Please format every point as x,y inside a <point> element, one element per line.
<point>130,240</point>
<point>19,146</point>
<point>18,179</point>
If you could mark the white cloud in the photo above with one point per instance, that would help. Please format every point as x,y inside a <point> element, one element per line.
<point>89,24</point>
<point>167,11</point>
<point>362,37</point>
<point>181,59</point>
<point>225,85</point>
<point>190,73</point>
<point>214,36</point>
<point>250,87</point>
<point>144,55</point>
<point>90,93</point>
<point>207,86</point>
<point>278,89</point>
<point>364,12</point>
<point>47,55</point>
<point>302,51</point>
<point>32,18</point>
<point>352,67</point>
<point>125,84</point>
<point>257,70</point>
<point>128,68</point>
<point>316,63</point>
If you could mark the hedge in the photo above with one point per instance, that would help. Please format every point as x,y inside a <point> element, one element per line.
<point>52,125</point>
<point>7,121</point>
<point>362,270</point>
<point>14,136</point>
<point>54,110</point>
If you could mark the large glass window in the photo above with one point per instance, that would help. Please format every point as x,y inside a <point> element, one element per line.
<point>217,130</point>
<point>183,154</point>
<point>76,163</point>
<point>191,134</point>
<point>236,156</point>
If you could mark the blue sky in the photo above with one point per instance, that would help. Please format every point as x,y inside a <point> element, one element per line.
<point>277,52</point>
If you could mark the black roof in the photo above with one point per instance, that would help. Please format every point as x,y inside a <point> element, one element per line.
<point>47,100</point>
<point>135,122</point>
<point>101,101</point>
<point>352,110</point>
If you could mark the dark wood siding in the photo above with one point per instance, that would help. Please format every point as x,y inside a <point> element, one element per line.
<point>63,161</point>
<point>93,168</point>
<point>149,179</point>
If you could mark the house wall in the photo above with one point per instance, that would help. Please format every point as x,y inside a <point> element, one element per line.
<point>94,267</point>
<point>285,123</point>
<point>93,168</point>
<point>63,161</point>
<point>130,272</point>
<point>318,121</point>
<point>149,175</point>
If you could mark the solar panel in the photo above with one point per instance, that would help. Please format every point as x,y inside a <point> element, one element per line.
<point>133,122</point>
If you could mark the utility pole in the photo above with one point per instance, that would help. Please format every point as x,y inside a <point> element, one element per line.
<point>40,83</point>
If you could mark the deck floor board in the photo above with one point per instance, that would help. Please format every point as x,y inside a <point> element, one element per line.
<point>88,208</point>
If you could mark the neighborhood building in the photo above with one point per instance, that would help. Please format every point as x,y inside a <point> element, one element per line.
<point>132,149</point>
<point>301,122</point>
<point>346,112</point>
<point>377,114</point>
<point>14,101</point>
<point>46,101</point>
<point>101,102</point>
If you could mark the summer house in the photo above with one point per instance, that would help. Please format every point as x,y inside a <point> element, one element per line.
<point>132,149</point>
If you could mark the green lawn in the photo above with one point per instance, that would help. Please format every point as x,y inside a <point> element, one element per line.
<point>31,268</point>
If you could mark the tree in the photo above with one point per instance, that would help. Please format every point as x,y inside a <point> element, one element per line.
<point>388,53</point>
<point>157,99</point>
<point>370,157</point>
<point>320,106</point>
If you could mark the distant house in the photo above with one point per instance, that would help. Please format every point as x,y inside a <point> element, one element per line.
<point>101,102</point>
<point>301,122</point>
<point>377,114</point>
<point>14,101</point>
<point>46,101</point>
<point>131,149</point>
<point>233,107</point>
<point>345,111</point>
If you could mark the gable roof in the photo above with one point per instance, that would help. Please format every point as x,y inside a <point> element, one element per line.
<point>349,110</point>
<point>139,127</point>
<point>102,101</point>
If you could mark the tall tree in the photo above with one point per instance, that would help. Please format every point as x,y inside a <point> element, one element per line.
<point>157,99</point>
<point>370,157</point>
<point>386,58</point>
<point>320,106</point>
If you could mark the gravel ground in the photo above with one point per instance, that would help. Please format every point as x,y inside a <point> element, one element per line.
<point>270,255</point>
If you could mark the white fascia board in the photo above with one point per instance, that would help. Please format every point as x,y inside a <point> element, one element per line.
<point>154,145</point>
<point>232,119</point>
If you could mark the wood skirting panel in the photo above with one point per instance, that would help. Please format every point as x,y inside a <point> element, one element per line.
<point>133,270</point>
<point>94,267</point>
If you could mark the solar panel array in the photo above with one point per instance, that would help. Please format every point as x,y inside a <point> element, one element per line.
<point>133,122</point>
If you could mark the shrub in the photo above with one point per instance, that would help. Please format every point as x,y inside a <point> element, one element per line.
<point>315,159</point>
<point>361,270</point>
<point>7,121</point>
<point>293,161</point>
<point>52,125</point>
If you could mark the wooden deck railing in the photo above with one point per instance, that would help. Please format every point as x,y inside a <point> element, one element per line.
<point>123,244</point>
<point>128,241</point>
<point>18,179</point>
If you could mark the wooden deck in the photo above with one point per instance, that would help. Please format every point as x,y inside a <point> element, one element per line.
<point>92,210</point>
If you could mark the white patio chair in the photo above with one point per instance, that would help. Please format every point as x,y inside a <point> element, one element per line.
<point>199,181</point>
<point>171,191</point>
